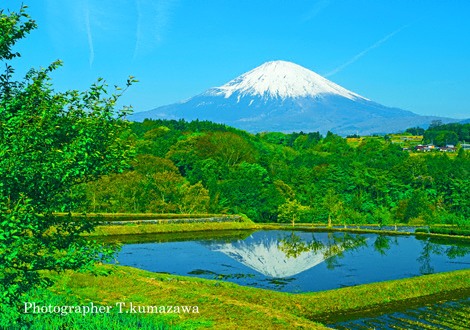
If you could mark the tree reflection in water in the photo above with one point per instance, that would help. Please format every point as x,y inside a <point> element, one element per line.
<point>432,246</point>
<point>382,243</point>
<point>337,243</point>
<point>331,249</point>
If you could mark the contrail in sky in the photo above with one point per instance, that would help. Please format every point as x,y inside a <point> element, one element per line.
<point>89,35</point>
<point>364,52</point>
<point>316,9</point>
<point>152,22</point>
<point>138,30</point>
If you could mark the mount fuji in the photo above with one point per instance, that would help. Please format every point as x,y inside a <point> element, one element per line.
<point>285,97</point>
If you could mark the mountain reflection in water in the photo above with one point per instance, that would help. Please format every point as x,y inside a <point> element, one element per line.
<point>289,254</point>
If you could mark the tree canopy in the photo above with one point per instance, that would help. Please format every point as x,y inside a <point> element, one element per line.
<point>50,142</point>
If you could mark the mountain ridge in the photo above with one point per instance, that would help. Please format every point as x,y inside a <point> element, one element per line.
<point>286,97</point>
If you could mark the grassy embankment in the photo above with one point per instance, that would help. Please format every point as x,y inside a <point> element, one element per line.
<point>138,224</point>
<point>224,305</point>
<point>452,231</point>
<point>165,223</point>
<point>434,231</point>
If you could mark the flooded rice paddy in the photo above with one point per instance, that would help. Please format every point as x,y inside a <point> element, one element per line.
<point>297,261</point>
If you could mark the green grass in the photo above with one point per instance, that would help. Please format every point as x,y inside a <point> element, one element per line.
<point>225,305</point>
<point>109,217</point>
<point>150,228</point>
<point>219,303</point>
<point>92,321</point>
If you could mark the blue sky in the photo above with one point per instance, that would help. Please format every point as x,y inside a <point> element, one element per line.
<point>409,54</point>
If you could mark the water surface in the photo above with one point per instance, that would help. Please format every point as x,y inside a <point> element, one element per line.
<point>445,315</point>
<point>298,261</point>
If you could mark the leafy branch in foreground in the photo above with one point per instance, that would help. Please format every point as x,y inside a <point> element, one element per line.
<point>49,143</point>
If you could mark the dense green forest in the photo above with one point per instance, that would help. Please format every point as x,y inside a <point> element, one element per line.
<point>194,167</point>
<point>447,134</point>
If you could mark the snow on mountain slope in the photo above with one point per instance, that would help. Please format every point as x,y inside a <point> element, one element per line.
<point>281,79</point>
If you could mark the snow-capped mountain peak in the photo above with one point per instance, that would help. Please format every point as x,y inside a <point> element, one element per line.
<point>281,79</point>
<point>281,96</point>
